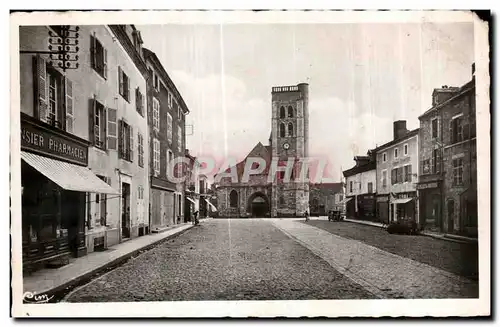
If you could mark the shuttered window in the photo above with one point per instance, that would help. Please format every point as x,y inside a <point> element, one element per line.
<point>156,114</point>
<point>156,156</point>
<point>140,149</point>
<point>112,129</point>
<point>98,57</point>
<point>123,84</point>
<point>126,141</point>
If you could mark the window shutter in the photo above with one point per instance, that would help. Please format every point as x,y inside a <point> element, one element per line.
<point>41,89</point>
<point>92,103</point>
<point>69,105</point>
<point>120,80</point>
<point>112,128</point>
<point>127,87</point>
<point>120,138</point>
<point>137,100</point>
<point>105,62</point>
<point>92,52</point>
<point>104,124</point>
<point>409,174</point>
<point>131,143</point>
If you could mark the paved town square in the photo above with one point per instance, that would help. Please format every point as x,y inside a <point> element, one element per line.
<point>263,259</point>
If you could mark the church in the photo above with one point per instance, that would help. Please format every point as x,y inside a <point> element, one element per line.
<point>261,196</point>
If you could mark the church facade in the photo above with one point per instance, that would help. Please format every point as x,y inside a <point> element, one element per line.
<point>272,190</point>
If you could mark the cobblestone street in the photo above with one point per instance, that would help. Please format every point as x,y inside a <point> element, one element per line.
<point>223,260</point>
<point>277,259</point>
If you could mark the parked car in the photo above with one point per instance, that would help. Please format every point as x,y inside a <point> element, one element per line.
<point>407,227</point>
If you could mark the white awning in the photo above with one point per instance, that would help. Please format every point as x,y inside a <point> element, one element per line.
<point>211,205</point>
<point>68,176</point>
<point>399,201</point>
<point>346,200</point>
<point>190,200</point>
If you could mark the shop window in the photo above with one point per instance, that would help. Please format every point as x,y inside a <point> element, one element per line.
<point>98,57</point>
<point>233,199</point>
<point>282,112</point>
<point>123,84</point>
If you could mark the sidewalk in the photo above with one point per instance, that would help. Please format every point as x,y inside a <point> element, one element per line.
<point>382,273</point>
<point>441,236</point>
<point>49,281</point>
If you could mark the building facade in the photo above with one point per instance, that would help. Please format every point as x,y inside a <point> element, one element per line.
<point>166,141</point>
<point>90,114</point>
<point>275,197</point>
<point>361,187</point>
<point>192,188</point>
<point>325,197</point>
<point>448,159</point>
<point>397,176</point>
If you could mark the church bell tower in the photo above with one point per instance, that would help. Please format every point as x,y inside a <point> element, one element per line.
<point>290,138</point>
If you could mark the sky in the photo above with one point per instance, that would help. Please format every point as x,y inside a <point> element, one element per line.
<point>361,77</point>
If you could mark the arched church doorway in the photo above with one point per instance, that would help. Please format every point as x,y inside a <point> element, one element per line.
<point>258,205</point>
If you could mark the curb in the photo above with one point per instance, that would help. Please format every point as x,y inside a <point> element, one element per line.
<point>60,291</point>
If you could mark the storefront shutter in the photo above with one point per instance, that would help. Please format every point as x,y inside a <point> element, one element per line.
<point>112,129</point>
<point>69,106</point>
<point>92,104</point>
<point>41,90</point>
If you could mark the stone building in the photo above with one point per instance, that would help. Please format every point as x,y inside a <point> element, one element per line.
<point>261,196</point>
<point>192,187</point>
<point>397,176</point>
<point>448,159</point>
<point>92,117</point>
<point>166,120</point>
<point>326,197</point>
<point>361,187</point>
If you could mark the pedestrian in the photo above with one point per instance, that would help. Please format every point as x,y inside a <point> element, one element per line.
<point>195,216</point>
<point>306,214</point>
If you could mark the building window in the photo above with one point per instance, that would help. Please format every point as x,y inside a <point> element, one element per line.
<point>341,197</point>
<point>458,171</point>
<point>396,153</point>
<point>394,176</point>
<point>169,127</point>
<point>156,114</point>
<point>384,157</point>
<point>156,82</point>
<point>370,187</point>
<point>290,112</point>
<point>233,199</point>
<point>179,139</point>
<point>407,172</point>
<point>290,129</point>
<point>282,112</point>
<point>434,128</point>
<point>170,156</point>
<point>405,149</point>
<point>170,100</point>
<point>98,126</point>
<point>384,178</point>
<point>140,149</point>
<point>350,186</point>
<point>456,130</point>
<point>53,95</point>
<point>179,111</point>
<point>99,57</point>
<point>282,200</point>
<point>156,156</point>
<point>126,141</point>
<point>112,129</point>
<point>282,130</point>
<point>139,101</point>
<point>124,84</point>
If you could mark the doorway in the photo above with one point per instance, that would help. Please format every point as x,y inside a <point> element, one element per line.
<point>258,205</point>
<point>125,211</point>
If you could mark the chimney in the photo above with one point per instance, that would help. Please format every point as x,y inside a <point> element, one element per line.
<point>400,129</point>
<point>473,70</point>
